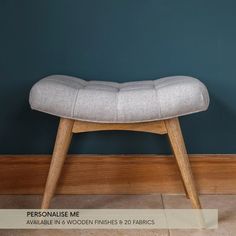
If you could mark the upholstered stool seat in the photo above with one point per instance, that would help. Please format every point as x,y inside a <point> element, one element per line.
<point>110,102</point>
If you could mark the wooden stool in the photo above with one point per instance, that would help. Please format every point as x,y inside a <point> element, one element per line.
<point>97,105</point>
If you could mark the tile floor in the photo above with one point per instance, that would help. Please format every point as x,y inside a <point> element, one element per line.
<point>225,203</point>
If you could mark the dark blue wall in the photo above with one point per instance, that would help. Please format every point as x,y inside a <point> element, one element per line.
<point>118,40</point>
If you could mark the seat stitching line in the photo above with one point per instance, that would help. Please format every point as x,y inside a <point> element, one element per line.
<point>157,98</point>
<point>75,101</point>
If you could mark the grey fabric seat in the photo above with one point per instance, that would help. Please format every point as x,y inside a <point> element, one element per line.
<point>110,102</point>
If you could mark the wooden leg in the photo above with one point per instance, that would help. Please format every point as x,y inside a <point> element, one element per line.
<point>63,139</point>
<point>185,190</point>
<point>184,186</point>
<point>179,149</point>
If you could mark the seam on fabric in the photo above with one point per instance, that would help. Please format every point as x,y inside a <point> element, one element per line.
<point>78,84</point>
<point>120,122</point>
<point>205,95</point>
<point>65,77</point>
<point>157,99</point>
<point>117,104</point>
<point>74,103</point>
<point>169,83</point>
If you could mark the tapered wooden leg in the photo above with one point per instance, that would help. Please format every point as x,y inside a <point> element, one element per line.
<point>185,190</point>
<point>179,149</point>
<point>184,186</point>
<point>63,139</point>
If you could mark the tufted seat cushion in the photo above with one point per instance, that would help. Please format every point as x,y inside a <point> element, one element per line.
<point>110,102</point>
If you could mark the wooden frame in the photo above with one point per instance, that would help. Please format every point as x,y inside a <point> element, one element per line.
<point>171,127</point>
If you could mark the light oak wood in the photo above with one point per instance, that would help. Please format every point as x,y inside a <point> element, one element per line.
<point>63,139</point>
<point>117,174</point>
<point>184,187</point>
<point>179,149</point>
<point>156,127</point>
<point>171,127</point>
